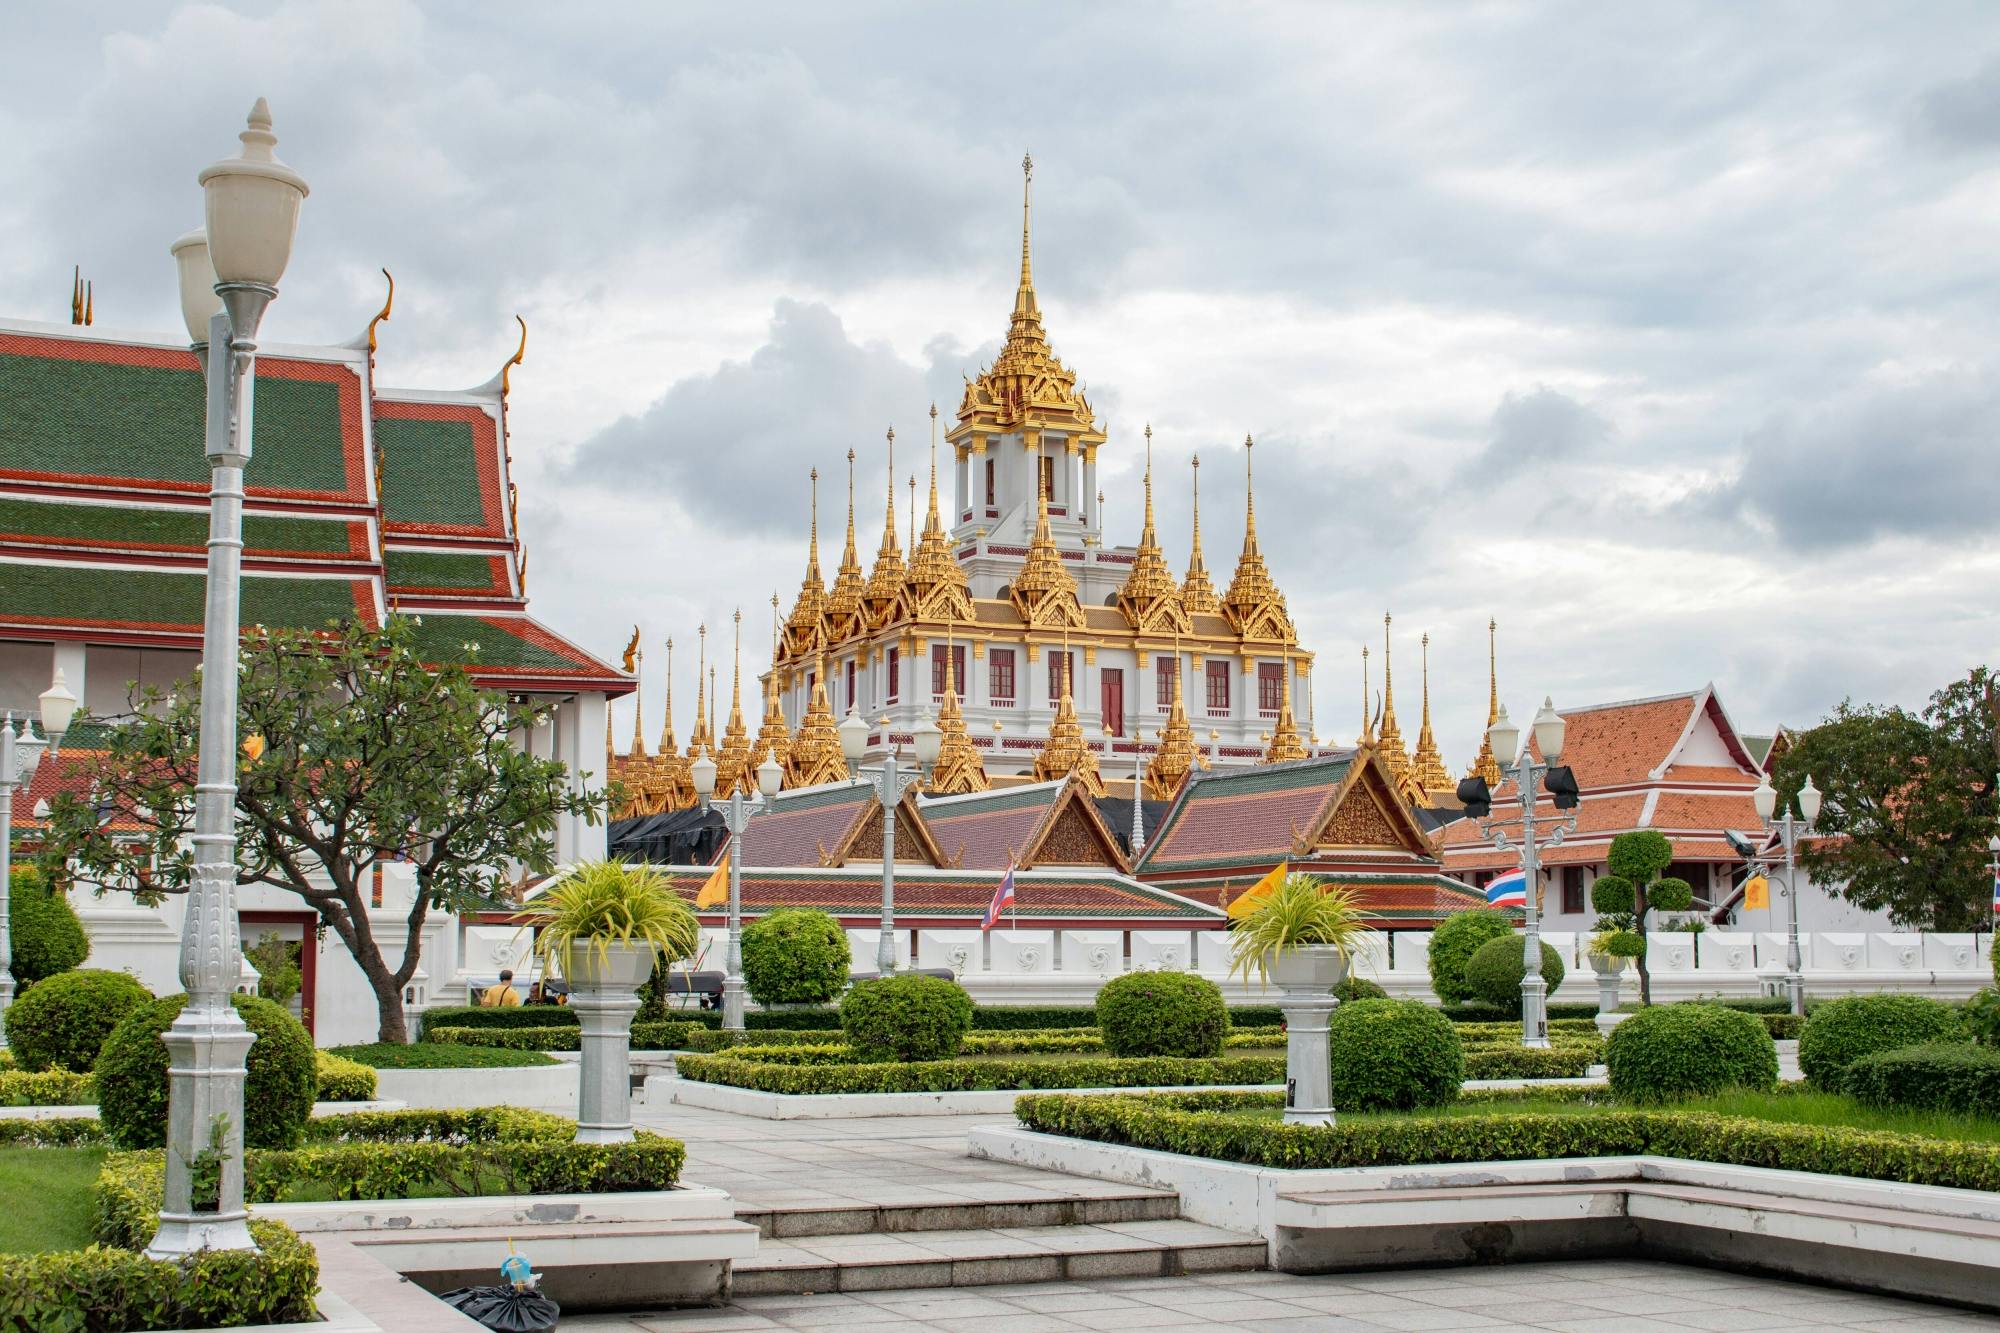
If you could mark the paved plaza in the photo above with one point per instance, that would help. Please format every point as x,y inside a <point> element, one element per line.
<point>921,1160</point>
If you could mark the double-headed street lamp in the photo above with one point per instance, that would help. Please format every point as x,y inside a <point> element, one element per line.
<point>735,818</point>
<point>889,781</point>
<point>251,212</point>
<point>20,754</point>
<point>1789,832</point>
<point>1505,739</point>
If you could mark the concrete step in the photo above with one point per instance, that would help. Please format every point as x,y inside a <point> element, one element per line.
<point>1137,1205</point>
<point>969,1257</point>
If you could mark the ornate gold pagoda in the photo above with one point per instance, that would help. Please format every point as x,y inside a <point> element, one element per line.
<point>1484,765</point>
<point>1177,756</point>
<point>1285,743</point>
<point>1044,593</point>
<point>732,761</point>
<point>1253,604</point>
<point>885,582</point>
<point>702,740</point>
<point>1389,741</point>
<point>937,588</point>
<point>1066,752</point>
<point>846,618</point>
<point>1431,774</point>
<point>815,756</point>
<point>1150,599</point>
<point>958,768</point>
<point>1197,593</point>
<point>805,630</point>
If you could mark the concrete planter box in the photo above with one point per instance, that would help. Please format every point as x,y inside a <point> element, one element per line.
<point>546,1087</point>
<point>662,1090</point>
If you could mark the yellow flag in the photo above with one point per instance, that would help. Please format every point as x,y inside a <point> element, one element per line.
<point>716,891</point>
<point>1756,893</point>
<point>1251,898</point>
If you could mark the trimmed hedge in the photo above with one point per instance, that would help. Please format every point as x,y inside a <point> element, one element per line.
<point>277,1097</point>
<point>343,1080</point>
<point>1943,1076</point>
<point>1495,971</point>
<point>1696,1135</point>
<point>1393,1055</point>
<point>795,955</point>
<point>438,1055</point>
<point>562,1016</point>
<point>63,1022</point>
<point>459,1125</point>
<point>1173,1014</point>
<point>66,1132</point>
<point>994,1018</point>
<point>1452,945</point>
<point>672,1036</point>
<point>102,1288</point>
<point>47,938</point>
<point>1354,988</point>
<point>47,1087</point>
<point>1842,1031</point>
<point>970,1075</point>
<point>1667,1051</point>
<point>1478,1011</point>
<point>906,1016</point>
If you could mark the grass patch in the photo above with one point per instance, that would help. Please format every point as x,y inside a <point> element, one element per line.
<point>436,1055</point>
<point>48,1198</point>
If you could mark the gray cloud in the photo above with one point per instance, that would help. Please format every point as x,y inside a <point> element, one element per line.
<point>1534,429</point>
<point>1963,113</point>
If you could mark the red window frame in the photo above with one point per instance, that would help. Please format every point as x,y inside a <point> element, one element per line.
<point>1165,670</point>
<point>1218,689</point>
<point>1270,688</point>
<point>937,668</point>
<point>850,684</point>
<point>895,674</point>
<point>1057,667</point>
<point>1000,675</point>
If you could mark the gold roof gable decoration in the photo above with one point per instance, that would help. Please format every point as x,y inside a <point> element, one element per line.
<point>1150,599</point>
<point>1066,751</point>
<point>1253,604</point>
<point>815,756</point>
<point>885,584</point>
<point>845,616</point>
<point>958,769</point>
<point>937,587</point>
<point>805,630</point>
<point>1197,593</point>
<point>1431,773</point>
<point>1044,593</point>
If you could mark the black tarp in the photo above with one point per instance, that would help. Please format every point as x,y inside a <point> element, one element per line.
<point>677,838</point>
<point>1117,812</point>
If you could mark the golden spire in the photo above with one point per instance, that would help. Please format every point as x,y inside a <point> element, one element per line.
<point>1367,736</point>
<point>885,584</point>
<point>958,768</point>
<point>1254,606</point>
<point>1484,765</point>
<point>913,515</point>
<point>1044,593</point>
<point>1178,754</point>
<point>844,616</point>
<point>673,785</point>
<point>699,741</point>
<point>667,745</point>
<point>815,756</point>
<point>805,632</point>
<point>1197,593</point>
<point>1150,599</point>
<point>774,738</point>
<point>1431,773</point>
<point>1066,751</point>
<point>1394,755</point>
<point>1285,742</point>
<point>1025,330</point>
<point>732,762</point>
<point>938,588</point>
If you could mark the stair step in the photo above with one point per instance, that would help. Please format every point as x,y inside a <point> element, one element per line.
<point>881,1260</point>
<point>970,1215</point>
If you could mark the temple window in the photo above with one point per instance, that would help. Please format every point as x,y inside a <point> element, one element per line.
<point>990,498</point>
<point>937,669</point>
<point>1270,688</point>
<point>1049,477</point>
<point>1000,674</point>
<point>1572,889</point>
<point>850,684</point>
<point>895,673</point>
<point>1165,669</point>
<point>1218,689</point>
<point>1060,663</point>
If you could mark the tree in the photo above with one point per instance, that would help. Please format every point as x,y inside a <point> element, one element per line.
<point>1909,804</point>
<point>355,754</point>
<point>1634,890</point>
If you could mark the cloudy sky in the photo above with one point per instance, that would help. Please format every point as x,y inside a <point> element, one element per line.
<point>1664,333</point>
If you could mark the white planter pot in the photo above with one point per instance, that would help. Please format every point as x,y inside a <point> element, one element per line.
<point>1610,975</point>
<point>604,988</point>
<point>617,965</point>
<point>1315,967</point>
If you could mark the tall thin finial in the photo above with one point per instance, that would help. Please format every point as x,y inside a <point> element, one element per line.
<point>932,520</point>
<point>913,513</point>
<point>1426,642</point>
<point>667,727</point>
<point>1366,733</point>
<point>1149,477</point>
<point>699,740</point>
<point>889,515</point>
<point>1027,276</point>
<point>1388,681</point>
<point>736,699</point>
<point>1249,499</point>
<point>1492,672</point>
<point>812,554</point>
<point>850,499</point>
<point>774,625</point>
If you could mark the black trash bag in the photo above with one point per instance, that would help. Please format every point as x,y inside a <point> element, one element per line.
<point>505,1308</point>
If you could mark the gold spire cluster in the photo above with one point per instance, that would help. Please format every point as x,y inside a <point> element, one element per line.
<point>702,740</point>
<point>958,768</point>
<point>1253,604</point>
<point>1484,765</point>
<point>732,760</point>
<point>805,631</point>
<point>1066,752</point>
<point>815,756</point>
<point>1431,774</point>
<point>655,783</point>
<point>885,583</point>
<point>1285,742</point>
<point>937,588</point>
<point>1395,756</point>
<point>1150,599</point>
<point>845,616</point>
<point>774,738</point>
<point>1044,593</point>
<point>1178,754</point>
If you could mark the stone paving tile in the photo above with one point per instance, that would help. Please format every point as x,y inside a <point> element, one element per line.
<point>932,1304</point>
<point>1723,1319</point>
<point>1608,1323</point>
<point>1365,1304</point>
<point>1427,1320</point>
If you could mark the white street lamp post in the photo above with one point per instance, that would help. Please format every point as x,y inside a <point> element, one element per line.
<point>251,210</point>
<point>1504,737</point>
<point>736,817</point>
<point>889,782</point>
<point>20,752</point>
<point>1789,832</point>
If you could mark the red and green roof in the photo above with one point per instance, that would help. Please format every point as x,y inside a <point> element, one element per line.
<point>1039,896</point>
<point>155,601</point>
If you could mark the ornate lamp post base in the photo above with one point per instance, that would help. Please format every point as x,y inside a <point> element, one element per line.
<point>732,1000</point>
<point>206,1049</point>
<point>1534,1007</point>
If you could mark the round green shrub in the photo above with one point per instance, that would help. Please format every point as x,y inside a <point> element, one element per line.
<point>47,937</point>
<point>1358,988</point>
<point>1494,972</point>
<point>62,1022</point>
<point>1669,895</point>
<point>1667,1051</point>
<point>1958,1077</point>
<point>1162,1013</point>
<point>277,1098</point>
<point>1455,941</point>
<point>1842,1031</point>
<point>905,1016</point>
<point>1612,895</point>
<point>794,956</point>
<point>1393,1055</point>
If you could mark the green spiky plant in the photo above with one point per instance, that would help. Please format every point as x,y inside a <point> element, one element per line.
<point>1301,911</point>
<point>601,903</point>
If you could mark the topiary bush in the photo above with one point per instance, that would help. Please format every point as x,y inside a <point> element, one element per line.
<point>905,1016</point>
<point>1358,988</point>
<point>794,955</point>
<point>1841,1031</point>
<point>47,937</point>
<point>1667,1051</point>
<point>277,1099</point>
<point>1944,1076</point>
<point>1455,941</point>
<point>1494,972</point>
<point>1393,1055</point>
<point>1162,1013</point>
<point>63,1021</point>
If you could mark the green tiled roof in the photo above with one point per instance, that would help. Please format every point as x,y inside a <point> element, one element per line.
<point>92,418</point>
<point>430,472</point>
<point>184,528</point>
<point>440,569</point>
<point>159,597</point>
<point>442,638</point>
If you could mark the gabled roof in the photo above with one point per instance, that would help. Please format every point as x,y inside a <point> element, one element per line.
<point>1040,824</point>
<point>832,825</point>
<point>955,894</point>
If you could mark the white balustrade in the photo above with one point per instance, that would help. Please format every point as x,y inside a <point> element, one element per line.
<point>1669,951</point>
<point>1840,953</point>
<point>1161,951</point>
<point>861,950</point>
<point>1095,953</point>
<point>1901,952</point>
<point>1024,952</point>
<point>960,950</point>
<point>1728,951</point>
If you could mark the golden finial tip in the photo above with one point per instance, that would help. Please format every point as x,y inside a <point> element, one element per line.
<point>850,455</point>
<point>892,434</point>
<point>933,411</point>
<point>1247,441</point>
<point>1028,165</point>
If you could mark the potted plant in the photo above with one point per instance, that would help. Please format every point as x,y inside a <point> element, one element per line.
<point>602,926</point>
<point>1609,952</point>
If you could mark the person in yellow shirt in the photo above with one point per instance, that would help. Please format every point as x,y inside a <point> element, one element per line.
<point>502,996</point>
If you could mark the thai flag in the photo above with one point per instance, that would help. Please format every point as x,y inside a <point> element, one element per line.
<point>1510,890</point>
<point>1003,900</point>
